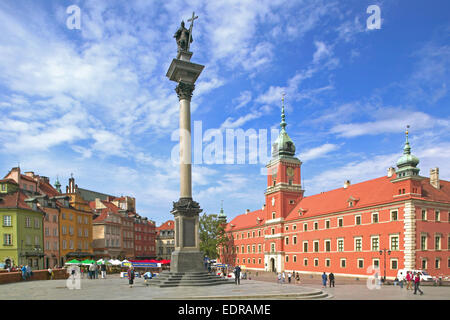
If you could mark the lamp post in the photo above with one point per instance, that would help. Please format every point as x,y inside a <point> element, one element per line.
<point>381,252</point>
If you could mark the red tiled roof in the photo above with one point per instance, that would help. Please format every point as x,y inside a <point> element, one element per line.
<point>22,176</point>
<point>166,226</point>
<point>14,200</point>
<point>367,193</point>
<point>372,192</point>
<point>246,220</point>
<point>48,189</point>
<point>431,193</point>
<point>8,181</point>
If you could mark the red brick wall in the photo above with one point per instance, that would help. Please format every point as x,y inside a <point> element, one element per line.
<point>10,277</point>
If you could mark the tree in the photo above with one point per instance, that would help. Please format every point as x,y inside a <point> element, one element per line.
<point>212,235</point>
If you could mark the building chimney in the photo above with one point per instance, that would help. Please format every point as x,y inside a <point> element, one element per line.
<point>263,207</point>
<point>346,184</point>
<point>434,178</point>
<point>391,172</point>
<point>247,211</point>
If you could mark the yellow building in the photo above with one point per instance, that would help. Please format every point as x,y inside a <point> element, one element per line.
<point>75,225</point>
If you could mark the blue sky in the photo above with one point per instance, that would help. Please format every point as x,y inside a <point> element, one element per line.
<point>95,102</point>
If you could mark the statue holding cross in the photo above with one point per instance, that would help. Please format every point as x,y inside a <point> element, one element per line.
<point>183,36</point>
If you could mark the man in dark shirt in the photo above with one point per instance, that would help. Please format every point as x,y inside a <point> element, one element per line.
<point>331,278</point>
<point>237,275</point>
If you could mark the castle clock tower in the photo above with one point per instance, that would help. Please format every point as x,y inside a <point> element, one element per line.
<point>284,188</point>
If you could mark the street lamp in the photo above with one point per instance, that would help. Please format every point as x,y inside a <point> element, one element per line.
<point>381,252</point>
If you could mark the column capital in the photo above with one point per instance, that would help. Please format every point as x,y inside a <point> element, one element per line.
<point>186,207</point>
<point>184,90</point>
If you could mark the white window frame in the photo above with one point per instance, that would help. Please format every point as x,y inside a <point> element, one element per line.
<point>354,241</point>
<point>391,212</point>
<point>357,263</point>
<point>378,263</point>
<point>438,213</point>
<point>314,245</point>
<point>327,224</point>
<point>316,225</point>
<point>305,227</point>
<point>7,239</point>
<point>294,258</point>
<point>303,246</point>
<point>305,262</point>
<point>345,262</point>
<point>7,221</point>
<point>377,214</point>
<point>391,261</point>
<point>360,220</point>
<point>339,224</point>
<point>391,236</point>
<point>325,245</point>
<point>343,244</point>
<point>371,243</point>
<point>426,242</point>
<point>440,242</point>
<point>294,239</point>
<point>327,262</point>
<point>316,262</point>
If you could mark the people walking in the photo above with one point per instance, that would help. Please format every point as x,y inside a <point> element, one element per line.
<point>279,278</point>
<point>29,272</point>
<point>331,278</point>
<point>91,271</point>
<point>408,281</point>
<point>324,280</point>
<point>24,272</point>
<point>297,278</point>
<point>103,270</point>
<point>289,277</point>
<point>417,283</point>
<point>96,270</point>
<point>237,275</point>
<point>283,276</point>
<point>130,274</point>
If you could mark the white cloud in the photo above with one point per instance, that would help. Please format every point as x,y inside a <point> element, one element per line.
<point>244,98</point>
<point>318,152</point>
<point>322,51</point>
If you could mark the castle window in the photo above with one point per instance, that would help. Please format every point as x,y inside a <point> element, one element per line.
<point>305,246</point>
<point>290,182</point>
<point>424,215</point>
<point>360,263</point>
<point>272,247</point>
<point>273,230</point>
<point>305,227</point>
<point>294,240</point>
<point>394,264</point>
<point>291,202</point>
<point>340,222</point>
<point>394,215</point>
<point>343,263</point>
<point>316,225</point>
<point>305,262</point>
<point>327,224</point>
<point>286,240</point>
<point>357,220</point>
<point>294,259</point>
<point>273,215</point>
<point>316,262</point>
<point>287,258</point>
<point>437,215</point>
<point>375,217</point>
<point>327,262</point>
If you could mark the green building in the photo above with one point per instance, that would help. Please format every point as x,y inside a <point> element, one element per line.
<point>21,227</point>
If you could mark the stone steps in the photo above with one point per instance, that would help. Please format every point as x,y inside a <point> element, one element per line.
<point>168,279</point>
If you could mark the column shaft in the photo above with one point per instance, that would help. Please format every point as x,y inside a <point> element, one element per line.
<point>185,149</point>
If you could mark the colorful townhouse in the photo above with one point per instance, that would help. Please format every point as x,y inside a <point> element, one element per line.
<point>399,220</point>
<point>21,228</point>
<point>165,240</point>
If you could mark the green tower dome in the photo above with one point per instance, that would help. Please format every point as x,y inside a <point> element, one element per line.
<point>407,164</point>
<point>283,146</point>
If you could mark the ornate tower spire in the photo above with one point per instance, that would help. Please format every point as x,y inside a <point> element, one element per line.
<point>57,185</point>
<point>283,117</point>
<point>407,164</point>
<point>284,146</point>
<point>222,216</point>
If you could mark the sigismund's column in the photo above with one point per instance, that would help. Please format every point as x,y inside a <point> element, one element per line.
<point>186,256</point>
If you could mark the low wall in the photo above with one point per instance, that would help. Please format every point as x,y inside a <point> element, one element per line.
<point>9,277</point>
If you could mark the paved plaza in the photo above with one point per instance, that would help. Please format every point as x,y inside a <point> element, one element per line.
<point>115,288</point>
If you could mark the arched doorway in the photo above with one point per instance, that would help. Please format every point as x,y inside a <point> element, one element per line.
<point>272,265</point>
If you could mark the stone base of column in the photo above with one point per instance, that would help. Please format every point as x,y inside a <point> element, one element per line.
<point>187,261</point>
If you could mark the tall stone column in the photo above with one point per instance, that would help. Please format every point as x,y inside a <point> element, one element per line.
<point>186,256</point>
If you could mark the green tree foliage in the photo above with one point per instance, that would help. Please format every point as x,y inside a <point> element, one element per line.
<point>212,235</point>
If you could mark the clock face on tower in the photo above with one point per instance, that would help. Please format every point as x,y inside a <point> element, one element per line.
<point>290,171</point>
